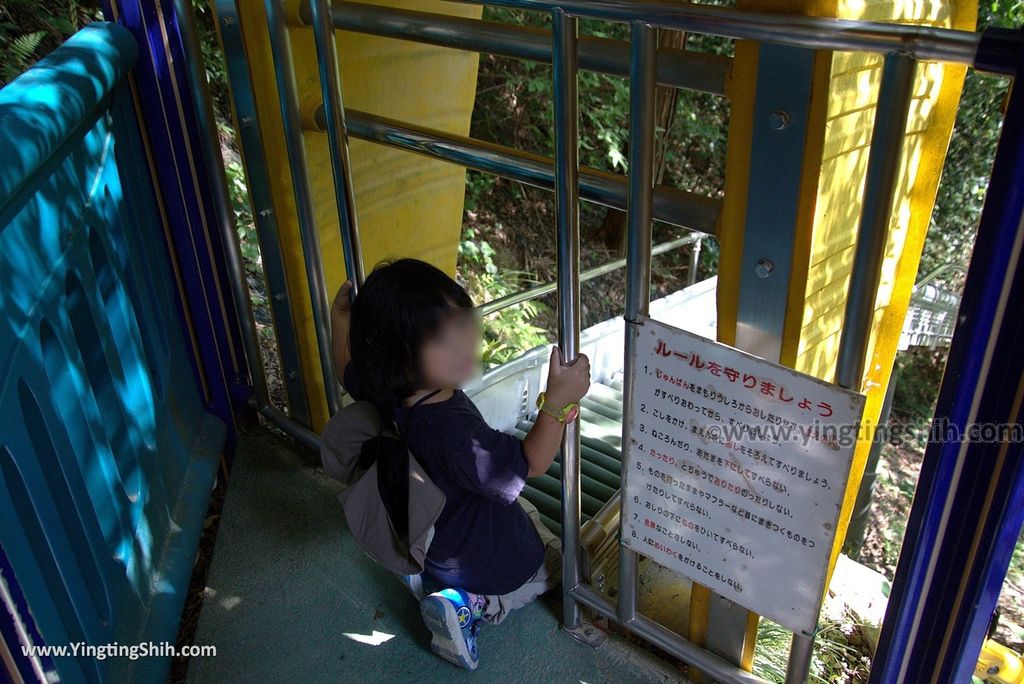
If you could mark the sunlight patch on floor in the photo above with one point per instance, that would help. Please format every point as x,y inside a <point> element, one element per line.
<point>375,639</point>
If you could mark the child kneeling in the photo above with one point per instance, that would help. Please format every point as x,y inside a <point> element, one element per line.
<point>406,343</point>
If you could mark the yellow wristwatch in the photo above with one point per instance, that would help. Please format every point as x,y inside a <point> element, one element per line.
<point>566,414</point>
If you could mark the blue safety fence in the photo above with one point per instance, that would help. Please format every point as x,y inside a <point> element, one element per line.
<point>107,456</point>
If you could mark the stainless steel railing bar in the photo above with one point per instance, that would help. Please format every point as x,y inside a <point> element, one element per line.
<point>334,116</point>
<point>312,256</point>
<point>673,206</point>
<point>537,291</point>
<point>567,218</point>
<point>676,68</point>
<point>643,40</point>
<point>717,668</point>
<point>925,43</point>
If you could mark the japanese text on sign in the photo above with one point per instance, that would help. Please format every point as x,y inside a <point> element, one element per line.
<point>735,471</point>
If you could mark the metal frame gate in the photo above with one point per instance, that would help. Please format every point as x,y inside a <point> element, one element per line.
<point>994,280</point>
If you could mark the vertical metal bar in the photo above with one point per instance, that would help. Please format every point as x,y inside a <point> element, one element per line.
<point>567,212</point>
<point>337,136</point>
<point>694,260</point>
<point>715,667</point>
<point>894,95</point>
<point>288,95</point>
<point>642,74</point>
<point>214,165</point>
<point>861,515</point>
<point>801,652</point>
<point>880,186</point>
<point>255,162</point>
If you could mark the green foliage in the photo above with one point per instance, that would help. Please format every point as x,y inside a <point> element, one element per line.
<point>772,652</point>
<point>239,192</point>
<point>213,59</point>
<point>917,385</point>
<point>217,80</point>
<point>29,29</point>
<point>22,50</point>
<point>476,185</point>
<point>839,655</point>
<point>519,98</point>
<point>507,332</point>
<point>969,161</point>
<point>514,108</point>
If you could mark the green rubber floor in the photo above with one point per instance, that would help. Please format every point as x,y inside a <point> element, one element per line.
<point>290,597</point>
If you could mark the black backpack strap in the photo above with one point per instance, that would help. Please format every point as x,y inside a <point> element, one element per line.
<point>408,416</point>
<point>392,456</point>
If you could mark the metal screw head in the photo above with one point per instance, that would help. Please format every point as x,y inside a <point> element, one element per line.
<point>994,669</point>
<point>265,213</point>
<point>778,120</point>
<point>763,268</point>
<point>227,22</point>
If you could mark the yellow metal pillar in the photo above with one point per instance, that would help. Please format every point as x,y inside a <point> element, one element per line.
<point>841,114</point>
<point>407,205</point>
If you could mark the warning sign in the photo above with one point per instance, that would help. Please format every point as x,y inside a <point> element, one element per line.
<point>735,470</point>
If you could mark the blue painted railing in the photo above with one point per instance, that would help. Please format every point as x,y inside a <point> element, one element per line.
<point>107,456</point>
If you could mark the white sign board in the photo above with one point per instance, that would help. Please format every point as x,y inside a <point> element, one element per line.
<point>735,471</point>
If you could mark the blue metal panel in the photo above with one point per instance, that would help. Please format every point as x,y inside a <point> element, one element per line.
<point>969,505</point>
<point>107,455</point>
<point>168,117</point>
<point>781,113</point>
<point>773,197</point>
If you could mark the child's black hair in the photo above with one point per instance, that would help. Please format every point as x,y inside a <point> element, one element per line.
<point>398,309</point>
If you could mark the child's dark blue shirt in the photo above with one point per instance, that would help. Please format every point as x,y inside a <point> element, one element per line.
<point>483,541</point>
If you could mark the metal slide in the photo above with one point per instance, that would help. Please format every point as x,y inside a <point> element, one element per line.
<point>601,464</point>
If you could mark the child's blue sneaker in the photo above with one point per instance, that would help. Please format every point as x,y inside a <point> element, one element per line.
<point>453,620</point>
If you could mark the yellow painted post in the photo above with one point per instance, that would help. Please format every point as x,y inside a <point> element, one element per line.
<point>407,205</point>
<point>843,99</point>
<point>853,85</point>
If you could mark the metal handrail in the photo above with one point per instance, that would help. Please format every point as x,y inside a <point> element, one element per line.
<point>718,668</point>
<point>924,43</point>
<point>897,88</point>
<point>895,93</point>
<point>284,75</point>
<point>673,206</point>
<point>537,291</point>
<point>638,273</point>
<point>565,94</point>
<point>334,119</point>
<point>936,272</point>
<point>677,68</point>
